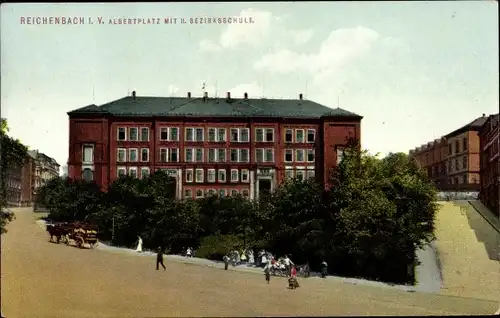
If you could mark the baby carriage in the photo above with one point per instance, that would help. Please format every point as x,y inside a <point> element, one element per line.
<point>293,283</point>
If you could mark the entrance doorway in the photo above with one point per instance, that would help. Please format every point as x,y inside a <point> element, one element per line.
<point>264,187</point>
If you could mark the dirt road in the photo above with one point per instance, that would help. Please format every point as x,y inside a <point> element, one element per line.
<point>42,279</point>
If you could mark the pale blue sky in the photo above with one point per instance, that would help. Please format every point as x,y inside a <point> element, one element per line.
<point>414,70</point>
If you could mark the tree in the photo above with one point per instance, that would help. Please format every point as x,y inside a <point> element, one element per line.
<point>13,153</point>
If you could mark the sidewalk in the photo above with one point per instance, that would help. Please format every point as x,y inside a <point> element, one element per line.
<point>487,214</point>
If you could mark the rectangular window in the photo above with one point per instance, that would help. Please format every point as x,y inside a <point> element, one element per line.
<point>199,193</point>
<point>133,134</point>
<point>211,134</point>
<point>288,135</point>
<point>221,155</point>
<point>310,174</point>
<point>88,154</point>
<point>189,155</point>
<point>300,175</point>
<point>457,164</point>
<point>144,172</point>
<point>234,135</point>
<point>144,154</point>
<point>465,146</point>
<point>299,155</point>
<point>174,134</point>
<point>189,175</point>
<point>234,175</point>
<point>164,133</point>
<point>122,134</point>
<point>221,134</point>
<point>132,171</point>
<point>212,152</point>
<point>199,154</point>
<point>199,175</point>
<point>245,175</point>
<point>288,174</point>
<point>259,134</point>
<point>244,155</point>
<point>311,135</point>
<point>310,155</point>
<point>288,155</point>
<point>234,155</point>
<point>244,135</point>
<point>450,149</point>
<point>163,155</point>
<point>464,163</point>
<point>132,153</point>
<point>199,134</point>
<point>340,155</point>
<point>189,134</point>
<point>269,155</point>
<point>222,193</point>
<point>210,192</point>
<point>234,192</point>
<point>121,172</point>
<point>222,175</point>
<point>299,135</point>
<point>245,193</point>
<point>211,175</point>
<point>457,146</point>
<point>269,135</point>
<point>174,155</point>
<point>144,134</point>
<point>188,194</point>
<point>259,155</point>
<point>121,155</point>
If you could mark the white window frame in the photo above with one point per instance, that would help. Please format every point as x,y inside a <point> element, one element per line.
<point>240,134</point>
<point>240,150</point>
<point>170,133</point>
<point>196,194</point>
<point>265,155</point>
<point>308,174</point>
<point>130,135</point>
<point>287,172</point>
<point>291,131</point>
<point>192,134</point>
<point>169,157</point>
<point>121,168</point>
<point>257,130</point>
<point>307,155</point>
<point>231,134</point>
<point>130,150</point>
<point>219,193</point>
<point>215,151</point>
<point>314,136</point>
<point>219,179</point>
<point>162,129</point>
<point>214,172</point>
<point>189,180</point>
<point>145,169</point>
<point>285,152</point>
<point>340,155</point>
<point>225,155</point>
<point>192,155</point>
<point>196,155</point>
<point>166,154</point>
<point>215,134</point>
<point>233,192</point>
<point>245,172</point>
<point>201,179</point>
<point>147,151</point>
<point>130,169</point>
<point>300,172</point>
<point>237,175</point>
<point>202,134</point>
<point>243,193</point>
<point>265,134</point>
<point>303,136</point>
<point>259,158</point>
<point>303,155</point>
<point>190,196</point>
<point>118,133</point>
<point>237,154</point>
<point>210,192</point>
<point>225,134</point>
<point>90,146</point>
<point>140,135</point>
<point>118,154</point>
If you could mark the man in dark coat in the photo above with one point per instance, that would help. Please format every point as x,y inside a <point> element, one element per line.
<point>324,269</point>
<point>159,259</point>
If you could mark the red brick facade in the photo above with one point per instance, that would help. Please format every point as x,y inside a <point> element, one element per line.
<point>110,139</point>
<point>490,164</point>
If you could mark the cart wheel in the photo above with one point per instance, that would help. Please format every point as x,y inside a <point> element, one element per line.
<point>79,242</point>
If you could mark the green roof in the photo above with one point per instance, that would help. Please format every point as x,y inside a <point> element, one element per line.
<point>212,107</point>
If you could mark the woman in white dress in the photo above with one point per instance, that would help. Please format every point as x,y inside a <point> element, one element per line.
<point>139,245</point>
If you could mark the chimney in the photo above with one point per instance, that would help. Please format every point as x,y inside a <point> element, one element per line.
<point>189,94</point>
<point>246,95</point>
<point>300,96</point>
<point>484,115</point>
<point>133,94</point>
<point>228,95</point>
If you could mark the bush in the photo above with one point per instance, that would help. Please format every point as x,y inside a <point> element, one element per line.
<point>215,247</point>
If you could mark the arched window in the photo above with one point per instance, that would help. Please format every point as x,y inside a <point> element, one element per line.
<point>87,174</point>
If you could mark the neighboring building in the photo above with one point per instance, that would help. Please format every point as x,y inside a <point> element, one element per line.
<point>44,168</point>
<point>457,153</point>
<point>490,163</point>
<point>13,182</point>
<point>27,182</point>
<point>210,145</point>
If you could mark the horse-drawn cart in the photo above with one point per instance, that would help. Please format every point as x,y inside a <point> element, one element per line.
<point>79,234</point>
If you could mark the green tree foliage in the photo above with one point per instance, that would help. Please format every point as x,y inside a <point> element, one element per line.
<point>367,224</point>
<point>13,153</point>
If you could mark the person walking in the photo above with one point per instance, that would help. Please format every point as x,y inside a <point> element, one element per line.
<point>226,262</point>
<point>159,259</point>
<point>139,245</point>
<point>267,272</point>
<point>324,269</point>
